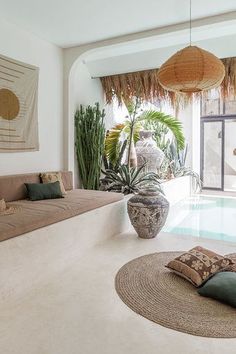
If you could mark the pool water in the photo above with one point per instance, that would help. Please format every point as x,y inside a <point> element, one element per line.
<point>204,216</point>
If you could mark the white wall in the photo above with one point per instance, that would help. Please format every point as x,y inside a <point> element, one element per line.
<point>153,57</point>
<point>84,90</point>
<point>21,45</point>
<point>145,50</point>
<point>185,116</point>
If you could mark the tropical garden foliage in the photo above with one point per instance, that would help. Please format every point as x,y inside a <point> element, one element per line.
<point>128,179</point>
<point>110,153</point>
<point>137,120</point>
<point>174,165</point>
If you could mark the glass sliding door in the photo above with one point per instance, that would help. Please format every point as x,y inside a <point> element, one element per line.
<point>230,155</point>
<point>212,153</point>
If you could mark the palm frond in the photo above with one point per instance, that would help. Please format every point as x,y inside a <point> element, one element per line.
<point>121,154</point>
<point>112,143</point>
<point>173,124</point>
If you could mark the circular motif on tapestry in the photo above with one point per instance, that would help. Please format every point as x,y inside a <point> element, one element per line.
<point>9,104</point>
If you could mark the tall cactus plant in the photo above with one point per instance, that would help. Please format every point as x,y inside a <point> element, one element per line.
<point>89,144</point>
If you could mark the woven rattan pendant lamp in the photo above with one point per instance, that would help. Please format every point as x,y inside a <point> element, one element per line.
<point>191,69</point>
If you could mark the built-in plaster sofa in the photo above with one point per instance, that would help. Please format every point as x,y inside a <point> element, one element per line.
<point>54,235</point>
<point>37,214</point>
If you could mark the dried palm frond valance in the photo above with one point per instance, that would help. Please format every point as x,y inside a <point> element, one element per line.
<point>228,86</point>
<point>145,85</point>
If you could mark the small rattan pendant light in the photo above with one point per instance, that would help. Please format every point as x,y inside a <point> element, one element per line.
<point>191,69</point>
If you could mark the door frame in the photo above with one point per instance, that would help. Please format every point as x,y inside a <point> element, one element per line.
<point>214,118</point>
<point>209,120</point>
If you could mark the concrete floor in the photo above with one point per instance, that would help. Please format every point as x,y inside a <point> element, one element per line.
<point>79,311</point>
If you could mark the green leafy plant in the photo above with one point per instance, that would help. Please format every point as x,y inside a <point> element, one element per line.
<point>128,179</point>
<point>108,164</point>
<point>136,121</point>
<point>161,124</point>
<point>177,157</point>
<point>187,171</point>
<point>89,144</point>
<point>160,134</point>
<point>174,165</point>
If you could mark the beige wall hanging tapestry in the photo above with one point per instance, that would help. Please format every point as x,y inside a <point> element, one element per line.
<point>18,106</point>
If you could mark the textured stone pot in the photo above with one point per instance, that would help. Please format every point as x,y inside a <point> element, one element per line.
<point>147,151</point>
<point>148,211</point>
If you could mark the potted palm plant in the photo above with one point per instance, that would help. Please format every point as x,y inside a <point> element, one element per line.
<point>148,208</point>
<point>137,121</point>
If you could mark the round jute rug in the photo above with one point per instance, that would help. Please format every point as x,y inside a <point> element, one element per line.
<point>154,292</point>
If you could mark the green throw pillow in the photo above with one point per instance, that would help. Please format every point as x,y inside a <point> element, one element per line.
<point>221,287</point>
<point>40,191</point>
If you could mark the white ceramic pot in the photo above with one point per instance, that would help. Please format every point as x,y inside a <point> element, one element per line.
<point>147,151</point>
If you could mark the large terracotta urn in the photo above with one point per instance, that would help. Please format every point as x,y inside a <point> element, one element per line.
<point>148,152</point>
<point>148,211</point>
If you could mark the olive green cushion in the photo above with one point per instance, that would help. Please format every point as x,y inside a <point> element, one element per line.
<point>40,191</point>
<point>221,287</point>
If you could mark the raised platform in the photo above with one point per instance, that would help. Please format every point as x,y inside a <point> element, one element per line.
<point>36,257</point>
<point>33,215</point>
<point>177,189</point>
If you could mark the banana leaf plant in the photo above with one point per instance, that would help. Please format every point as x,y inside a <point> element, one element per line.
<point>128,180</point>
<point>136,121</point>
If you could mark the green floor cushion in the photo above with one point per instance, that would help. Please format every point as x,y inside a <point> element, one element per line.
<point>221,287</point>
<point>40,191</point>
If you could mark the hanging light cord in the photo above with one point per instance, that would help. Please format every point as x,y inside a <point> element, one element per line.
<point>190,22</point>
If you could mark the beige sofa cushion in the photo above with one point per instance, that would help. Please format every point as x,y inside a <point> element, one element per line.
<point>51,177</point>
<point>13,187</point>
<point>34,215</point>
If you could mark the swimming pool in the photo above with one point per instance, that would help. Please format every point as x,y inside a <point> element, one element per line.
<point>204,216</point>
